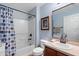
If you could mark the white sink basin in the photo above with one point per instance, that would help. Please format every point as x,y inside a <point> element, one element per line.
<point>62,45</point>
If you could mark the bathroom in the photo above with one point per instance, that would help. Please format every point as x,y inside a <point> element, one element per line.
<point>37,26</point>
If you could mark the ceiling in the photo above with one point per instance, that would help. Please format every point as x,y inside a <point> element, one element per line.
<point>23,6</point>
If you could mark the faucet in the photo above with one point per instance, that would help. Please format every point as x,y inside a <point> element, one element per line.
<point>63,38</point>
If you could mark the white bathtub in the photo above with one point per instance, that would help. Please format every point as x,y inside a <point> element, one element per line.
<point>25,51</point>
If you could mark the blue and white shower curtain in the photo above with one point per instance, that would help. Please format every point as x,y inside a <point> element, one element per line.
<point>7,33</point>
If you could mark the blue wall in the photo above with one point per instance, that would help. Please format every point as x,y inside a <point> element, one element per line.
<point>46,10</point>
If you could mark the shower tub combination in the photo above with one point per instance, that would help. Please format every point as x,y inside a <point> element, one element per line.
<point>23,46</point>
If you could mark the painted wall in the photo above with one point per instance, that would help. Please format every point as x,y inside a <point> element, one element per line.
<point>19,15</point>
<point>33,11</point>
<point>46,10</point>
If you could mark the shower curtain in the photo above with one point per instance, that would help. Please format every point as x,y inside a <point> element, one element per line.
<point>7,33</point>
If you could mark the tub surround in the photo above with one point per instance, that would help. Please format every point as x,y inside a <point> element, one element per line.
<point>26,51</point>
<point>72,51</point>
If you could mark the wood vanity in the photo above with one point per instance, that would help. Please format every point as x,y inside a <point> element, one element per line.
<point>52,52</point>
<point>50,49</point>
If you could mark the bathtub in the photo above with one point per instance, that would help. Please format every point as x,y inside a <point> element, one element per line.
<point>25,51</point>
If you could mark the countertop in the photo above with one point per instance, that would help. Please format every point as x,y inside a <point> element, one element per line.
<point>73,51</point>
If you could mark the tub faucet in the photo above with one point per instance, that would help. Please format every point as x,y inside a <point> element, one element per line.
<point>63,38</point>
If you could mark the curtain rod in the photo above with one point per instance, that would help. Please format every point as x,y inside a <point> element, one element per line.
<point>18,10</point>
<point>63,7</point>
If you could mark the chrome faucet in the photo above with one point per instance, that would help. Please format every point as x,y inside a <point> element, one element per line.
<point>63,38</point>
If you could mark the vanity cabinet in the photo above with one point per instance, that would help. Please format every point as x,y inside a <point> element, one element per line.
<point>60,54</point>
<point>51,52</point>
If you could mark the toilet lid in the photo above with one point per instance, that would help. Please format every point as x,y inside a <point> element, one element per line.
<point>38,49</point>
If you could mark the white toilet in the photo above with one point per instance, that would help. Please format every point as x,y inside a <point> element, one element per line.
<point>38,51</point>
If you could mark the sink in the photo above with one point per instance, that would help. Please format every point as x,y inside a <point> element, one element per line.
<point>58,45</point>
<point>62,45</point>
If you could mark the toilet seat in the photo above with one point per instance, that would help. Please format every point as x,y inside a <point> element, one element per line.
<point>38,51</point>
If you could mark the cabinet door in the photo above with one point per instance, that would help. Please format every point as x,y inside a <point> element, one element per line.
<point>61,54</point>
<point>49,52</point>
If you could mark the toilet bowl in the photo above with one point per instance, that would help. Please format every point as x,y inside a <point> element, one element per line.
<point>38,51</point>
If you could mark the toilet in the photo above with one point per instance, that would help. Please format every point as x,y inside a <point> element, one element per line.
<point>38,51</point>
